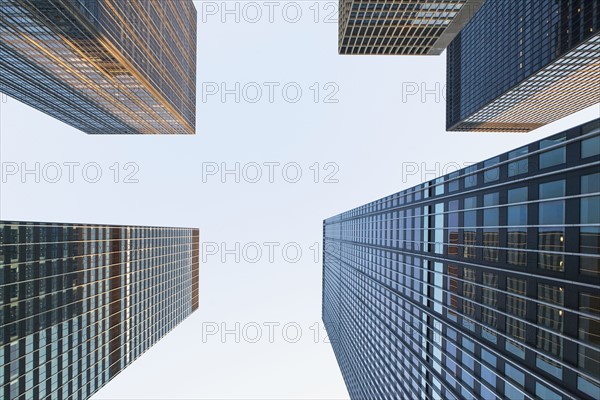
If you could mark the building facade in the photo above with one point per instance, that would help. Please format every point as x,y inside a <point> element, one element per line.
<point>518,65</point>
<point>401,27</point>
<point>484,283</point>
<point>103,66</point>
<point>79,303</point>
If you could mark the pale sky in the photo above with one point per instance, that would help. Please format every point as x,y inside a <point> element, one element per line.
<point>359,145</point>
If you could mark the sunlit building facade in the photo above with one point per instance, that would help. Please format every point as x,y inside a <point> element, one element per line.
<point>518,65</point>
<point>79,303</point>
<point>481,284</point>
<point>401,27</point>
<point>103,66</point>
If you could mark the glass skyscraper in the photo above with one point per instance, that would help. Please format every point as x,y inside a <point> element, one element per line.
<point>481,284</point>
<point>103,66</point>
<point>79,303</point>
<point>401,27</point>
<point>518,65</point>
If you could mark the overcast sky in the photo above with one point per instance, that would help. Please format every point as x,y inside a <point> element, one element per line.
<point>302,158</point>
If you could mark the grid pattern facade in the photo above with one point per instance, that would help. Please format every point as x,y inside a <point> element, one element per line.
<point>401,27</point>
<point>484,283</point>
<point>518,65</point>
<point>81,302</point>
<point>103,66</point>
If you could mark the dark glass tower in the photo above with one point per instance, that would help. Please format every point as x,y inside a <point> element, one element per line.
<point>103,66</point>
<point>484,283</point>
<point>401,27</point>
<point>79,303</point>
<point>518,65</point>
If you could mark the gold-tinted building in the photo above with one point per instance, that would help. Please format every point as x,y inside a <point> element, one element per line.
<point>103,66</point>
<point>401,27</point>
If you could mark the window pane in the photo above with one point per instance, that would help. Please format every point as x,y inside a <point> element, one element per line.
<point>589,332</point>
<point>552,190</point>
<point>589,236</point>
<point>453,228</point>
<point>552,157</point>
<point>489,298</point>
<point>550,318</point>
<point>470,180</point>
<point>545,393</point>
<point>453,182</point>
<point>516,306</point>
<point>452,292</point>
<point>469,293</point>
<point>491,232</point>
<point>517,230</point>
<point>492,174</point>
<point>520,166</point>
<point>551,238</point>
<point>469,231</point>
<point>590,147</point>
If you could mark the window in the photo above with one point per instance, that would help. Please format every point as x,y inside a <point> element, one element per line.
<point>512,393</point>
<point>516,306</point>
<point>488,358</point>
<point>517,226</point>
<point>486,394</point>
<point>452,292</point>
<point>491,174</point>
<point>520,166</point>
<point>470,178</point>
<point>453,182</point>
<point>550,318</point>
<point>590,147</point>
<point>514,374</point>
<point>470,230</point>
<point>589,332</point>
<point>469,292</point>
<point>551,235</point>
<point>489,296</point>
<point>553,157</point>
<point>453,228</point>
<point>589,236</point>
<point>545,393</point>
<point>491,231</point>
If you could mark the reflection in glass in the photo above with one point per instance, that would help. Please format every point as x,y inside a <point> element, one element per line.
<point>453,228</point>
<point>489,296</point>
<point>520,166</point>
<point>589,332</point>
<point>491,231</point>
<point>517,229</point>
<point>470,230</point>
<point>589,236</point>
<point>516,306</point>
<point>553,157</point>
<point>452,292</point>
<point>469,293</point>
<point>551,234</point>
<point>492,174</point>
<point>551,318</point>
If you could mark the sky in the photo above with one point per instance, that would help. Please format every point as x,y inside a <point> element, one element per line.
<point>289,133</point>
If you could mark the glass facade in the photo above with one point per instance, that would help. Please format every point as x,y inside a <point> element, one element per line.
<point>401,27</point>
<point>78,303</point>
<point>103,66</point>
<point>481,284</point>
<point>518,65</point>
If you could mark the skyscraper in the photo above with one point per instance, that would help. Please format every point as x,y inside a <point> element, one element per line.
<point>401,27</point>
<point>79,303</point>
<point>103,66</point>
<point>484,283</point>
<point>518,65</point>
